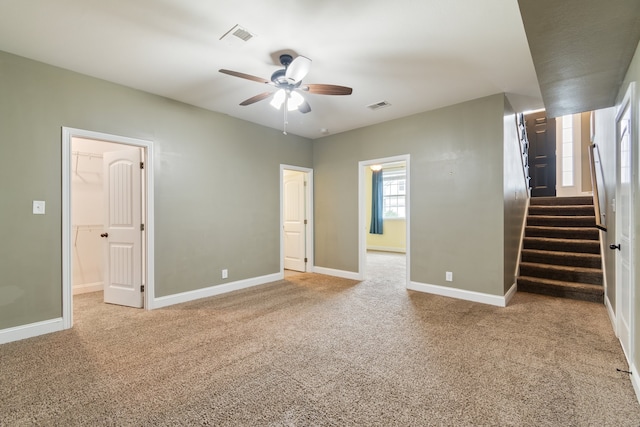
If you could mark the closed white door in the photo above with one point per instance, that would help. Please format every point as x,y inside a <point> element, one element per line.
<point>294,219</point>
<point>624,215</point>
<point>123,228</point>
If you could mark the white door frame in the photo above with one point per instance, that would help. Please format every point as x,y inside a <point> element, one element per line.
<point>148,212</point>
<point>628,104</point>
<point>362,213</point>
<point>308,194</point>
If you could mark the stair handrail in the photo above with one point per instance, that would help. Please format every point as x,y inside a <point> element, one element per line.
<point>597,181</point>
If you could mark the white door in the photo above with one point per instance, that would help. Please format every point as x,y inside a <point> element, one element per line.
<point>122,228</point>
<point>624,215</point>
<point>294,219</point>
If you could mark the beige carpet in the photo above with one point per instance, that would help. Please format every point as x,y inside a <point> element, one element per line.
<point>319,351</point>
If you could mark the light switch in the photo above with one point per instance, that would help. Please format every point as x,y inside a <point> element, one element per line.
<point>38,207</point>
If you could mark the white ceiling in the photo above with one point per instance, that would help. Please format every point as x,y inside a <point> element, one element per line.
<point>417,55</point>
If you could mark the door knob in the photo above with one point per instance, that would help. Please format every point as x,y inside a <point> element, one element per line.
<point>104,235</point>
<point>615,246</point>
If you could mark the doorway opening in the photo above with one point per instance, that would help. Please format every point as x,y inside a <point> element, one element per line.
<point>296,220</point>
<point>107,219</point>
<point>391,245</point>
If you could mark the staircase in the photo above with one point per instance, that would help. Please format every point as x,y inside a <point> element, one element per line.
<point>561,251</point>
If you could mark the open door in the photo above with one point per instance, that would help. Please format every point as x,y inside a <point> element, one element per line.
<point>123,228</point>
<point>294,220</point>
<point>624,227</point>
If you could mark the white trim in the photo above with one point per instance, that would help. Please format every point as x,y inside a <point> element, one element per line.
<point>31,330</point>
<point>215,290</point>
<point>386,249</point>
<point>67,288</point>
<point>362,218</point>
<point>635,380</point>
<point>85,288</point>
<point>310,227</point>
<point>353,275</point>
<point>510,294</point>
<point>610,311</point>
<point>500,301</point>
<point>523,230</point>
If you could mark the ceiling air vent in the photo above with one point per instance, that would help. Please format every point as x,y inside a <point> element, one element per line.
<point>378,105</point>
<point>239,32</point>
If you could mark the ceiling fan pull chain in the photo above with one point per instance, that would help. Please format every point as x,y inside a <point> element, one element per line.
<point>286,109</point>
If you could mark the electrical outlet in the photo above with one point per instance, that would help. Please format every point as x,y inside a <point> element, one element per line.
<point>449,276</point>
<point>225,273</point>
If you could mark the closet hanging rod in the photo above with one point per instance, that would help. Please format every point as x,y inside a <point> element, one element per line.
<point>85,227</point>
<point>86,154</point>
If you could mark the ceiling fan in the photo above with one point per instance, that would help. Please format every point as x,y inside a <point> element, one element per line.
<point>288,82</point>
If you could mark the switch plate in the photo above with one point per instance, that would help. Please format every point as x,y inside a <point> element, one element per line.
<point>449,276</point>
<point>225,273</point>
<point>38,207</point>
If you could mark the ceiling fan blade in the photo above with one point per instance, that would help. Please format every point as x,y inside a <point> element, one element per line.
<point>320,89</point>
<point>256,98</point>
<point>298,69</point>
<point>244,76</point>
<point>304,108</point>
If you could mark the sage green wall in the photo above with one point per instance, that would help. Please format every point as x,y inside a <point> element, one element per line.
<point>457,193</point>
<point>216,184</point>
<point>515,197</point>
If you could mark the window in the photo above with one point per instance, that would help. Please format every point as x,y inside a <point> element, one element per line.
<point>567,151</point>
<point>394,192</point>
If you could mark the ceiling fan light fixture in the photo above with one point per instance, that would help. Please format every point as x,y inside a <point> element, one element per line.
<point>278,99</point>
<point>295,101</point>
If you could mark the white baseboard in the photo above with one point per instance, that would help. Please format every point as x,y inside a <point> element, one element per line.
<point>87,287</point>
<point>386,249</point>
<point>31,330</point>
<point>338,273</point>
<point>214,290</point>
<point>612,314</point>
<point>510,293</point>
<point>500,301</point>
<point>635,380</point>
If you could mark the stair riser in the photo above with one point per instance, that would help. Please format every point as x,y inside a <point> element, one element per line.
<point>562,210</point>
<point>597,295</point>
<point>561,221</point>
<point>564,201</point>
<point>562,246</point>
<point>594,278</point>
<point>573,260</point>
<point>561,233</point>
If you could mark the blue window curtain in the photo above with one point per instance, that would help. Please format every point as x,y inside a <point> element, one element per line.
<point>376,203</point>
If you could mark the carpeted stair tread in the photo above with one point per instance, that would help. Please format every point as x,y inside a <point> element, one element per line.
<point>563,245</point>
<point>562,221</point>
<point>583,233</point>
<point>558,288</point>
<point>577,200</point>
<point>562,258</point>
<point>560,210</point>
<point>562,272</point>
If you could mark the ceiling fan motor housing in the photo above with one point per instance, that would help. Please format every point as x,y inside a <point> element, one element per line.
<point>285,59</point>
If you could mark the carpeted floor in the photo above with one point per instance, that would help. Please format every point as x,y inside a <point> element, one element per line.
<point>314,350</point>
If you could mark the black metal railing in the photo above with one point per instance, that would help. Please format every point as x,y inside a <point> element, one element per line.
<point>524,149</point>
